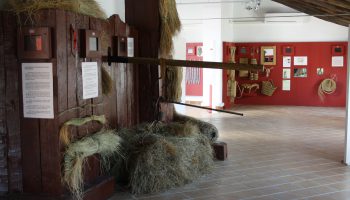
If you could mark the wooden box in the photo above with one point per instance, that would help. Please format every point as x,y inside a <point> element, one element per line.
<point>220,150</point>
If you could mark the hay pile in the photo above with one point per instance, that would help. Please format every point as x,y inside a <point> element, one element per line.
<point>31,7</point>
<point>205,128</point>
<point>161,156</point>
<point>105,143</point>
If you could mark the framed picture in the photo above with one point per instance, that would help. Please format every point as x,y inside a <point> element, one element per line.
<point>300,60</point>
<point>320,71</point>
<point>300,72</point>
<point>199,51</point>
<point>338,50</point>
<point>190,51</point>
<point>288,50</point>
<point>242,50</point>
<point>268,55</point>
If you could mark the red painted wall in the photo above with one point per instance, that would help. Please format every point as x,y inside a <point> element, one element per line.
<point>194,89</point>
<point>303,90</point>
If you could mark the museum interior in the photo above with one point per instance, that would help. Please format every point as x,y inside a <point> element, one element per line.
<point>174,99</point>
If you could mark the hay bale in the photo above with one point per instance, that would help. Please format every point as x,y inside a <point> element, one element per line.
<point>161,156</point>
<point>31,7</point>
<point>205,128</point>
<point>106,143</point>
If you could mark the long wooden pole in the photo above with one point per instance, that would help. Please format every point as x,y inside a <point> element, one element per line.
<point>179,63</point>
<point>205,108</point>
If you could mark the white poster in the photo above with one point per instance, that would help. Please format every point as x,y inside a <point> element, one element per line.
<point>286,85</point>
<point>337,61</point>
<point>287,61</point>
<point>130,47</point>
<point>37,85</point>
<point>90,80</point>
<point>286,73</point>
<point>300,60</point>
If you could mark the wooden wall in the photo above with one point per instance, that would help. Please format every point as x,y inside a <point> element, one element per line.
<point>38,139</point>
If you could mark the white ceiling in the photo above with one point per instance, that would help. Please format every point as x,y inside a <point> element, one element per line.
<point>267,6</point>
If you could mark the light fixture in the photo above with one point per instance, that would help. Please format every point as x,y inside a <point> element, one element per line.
<point>252,4</point>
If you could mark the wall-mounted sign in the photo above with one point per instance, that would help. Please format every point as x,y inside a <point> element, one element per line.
<point>337,61</point>
<point>37,87</point>
<point>131,47</point>
<point>90,80</point>
<point>300,60</point>
<point>287,61</point>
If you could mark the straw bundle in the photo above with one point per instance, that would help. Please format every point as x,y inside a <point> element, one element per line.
<point>173,79</point>
<point>65,137</point>
<point>205,128</point>
<point>327,86</point>
<point>106,143</point>
<point>170,25</point>
<point>107,82</point>
<point>31,7</point>
<point>161,156</point>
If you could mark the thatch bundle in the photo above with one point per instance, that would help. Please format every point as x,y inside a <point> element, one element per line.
<point>65,136</point>
<point>31,7</point>
<point>105,143</point>
<point>170,25</point>
<point>161,156</point>
<point>205,128</point>
<point>173,79</point>
<point>107,82</point>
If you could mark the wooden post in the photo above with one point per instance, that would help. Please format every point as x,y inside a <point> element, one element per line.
<point>347,129</point>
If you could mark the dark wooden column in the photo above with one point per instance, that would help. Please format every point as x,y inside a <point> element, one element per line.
<point>144,16</point>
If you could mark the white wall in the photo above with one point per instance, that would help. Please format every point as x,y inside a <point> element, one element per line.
<point>113,7</point>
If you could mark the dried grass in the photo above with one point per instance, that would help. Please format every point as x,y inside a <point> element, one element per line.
<point>107,82</point>
<point>173,79</point>
<point>161,156</point>
<point>65,136</point>
<point>170,26</point>
<point>31,7</point>
<point>205,128</point>
<point>106,143</point>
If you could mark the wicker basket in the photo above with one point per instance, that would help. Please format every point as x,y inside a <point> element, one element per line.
<point>268,88</point>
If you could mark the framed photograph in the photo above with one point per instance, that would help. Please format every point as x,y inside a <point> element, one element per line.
<point>320,71</point>
<point>338,50</point>
<point>268,55</point>
<point>199,51</point>
<point>288,50</point>
<point>300,72</point>
<point>286,74</point>
<point>300,60</point>
<point>286,85</point>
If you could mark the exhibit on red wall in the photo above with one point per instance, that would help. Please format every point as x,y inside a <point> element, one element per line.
<point>299,70</point>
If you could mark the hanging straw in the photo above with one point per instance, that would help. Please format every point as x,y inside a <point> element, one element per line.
<point>327,86</point>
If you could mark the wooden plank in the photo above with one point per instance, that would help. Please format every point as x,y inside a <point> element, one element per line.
<point>3,131</point>
<point>12,104</point>
<point>61,55</point>
<point>134,34</point>
<point>49,140</point>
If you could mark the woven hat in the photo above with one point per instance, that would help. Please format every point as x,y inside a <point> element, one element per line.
<point>327,86</point>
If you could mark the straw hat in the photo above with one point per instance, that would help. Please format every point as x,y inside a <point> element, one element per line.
<point>327,86</point>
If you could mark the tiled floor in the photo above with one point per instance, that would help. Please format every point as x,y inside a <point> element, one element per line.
<point>274,153</point>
